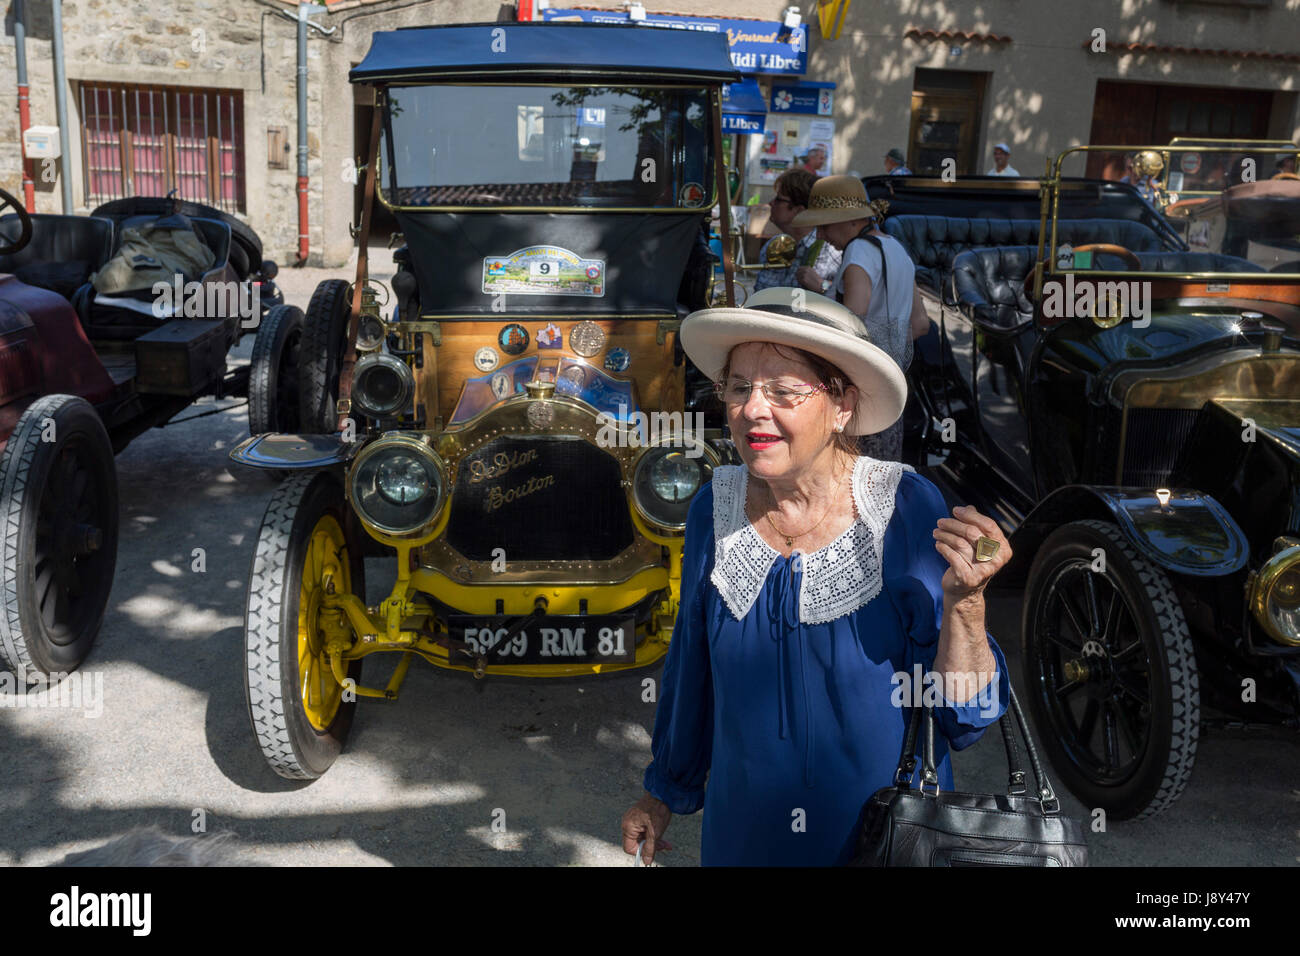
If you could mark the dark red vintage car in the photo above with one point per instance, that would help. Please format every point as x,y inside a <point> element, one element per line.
<point>82,374</point>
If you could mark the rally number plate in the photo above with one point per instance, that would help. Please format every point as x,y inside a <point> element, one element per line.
<point>549,640</point>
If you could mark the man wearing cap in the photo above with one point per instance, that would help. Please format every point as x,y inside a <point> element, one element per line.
<point>894,164</point>
<point>1001,154</point>
<point>812,577</point>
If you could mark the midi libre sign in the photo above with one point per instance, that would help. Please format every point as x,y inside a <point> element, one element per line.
<point>757,46</point>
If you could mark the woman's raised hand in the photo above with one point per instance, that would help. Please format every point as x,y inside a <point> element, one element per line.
<point>955,538</point>
<point>647,820</point>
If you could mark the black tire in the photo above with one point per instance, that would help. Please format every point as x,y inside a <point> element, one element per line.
<point>324,340</point>
<point>1136,669</point>
<point>290,743</point>
<point>240,232</point>
<point>58,535</point>
<point>273,373</point>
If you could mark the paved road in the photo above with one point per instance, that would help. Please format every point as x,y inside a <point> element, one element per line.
<point>422,778</point>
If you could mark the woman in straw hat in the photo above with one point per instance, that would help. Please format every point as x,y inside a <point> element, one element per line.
<point>811,578</point>
<point>877,280</point>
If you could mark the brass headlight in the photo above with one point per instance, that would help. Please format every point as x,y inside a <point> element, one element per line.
<point>1275,596</point>
<point>398,485</point>
<point>382,385</point>
<point>667,478</point>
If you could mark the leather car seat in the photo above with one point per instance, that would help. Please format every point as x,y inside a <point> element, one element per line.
<point>989,285</point>
<point>63,252</point>
<point>934,242</point>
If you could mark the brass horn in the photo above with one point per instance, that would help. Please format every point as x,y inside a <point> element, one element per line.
<point>780,253</point>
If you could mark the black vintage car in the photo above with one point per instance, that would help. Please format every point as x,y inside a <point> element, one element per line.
<point>1122,392</point>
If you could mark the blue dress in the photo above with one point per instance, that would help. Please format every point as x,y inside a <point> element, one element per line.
<point>795,725</point>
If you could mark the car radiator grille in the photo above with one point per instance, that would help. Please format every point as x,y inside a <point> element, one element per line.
<point>1153,443</point>
<point>539,499</point>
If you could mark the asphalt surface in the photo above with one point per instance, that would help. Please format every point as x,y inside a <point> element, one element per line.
<point>423,780</point>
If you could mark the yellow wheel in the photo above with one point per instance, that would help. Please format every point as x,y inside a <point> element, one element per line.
<point>297,707</point>
<point>325,565</point>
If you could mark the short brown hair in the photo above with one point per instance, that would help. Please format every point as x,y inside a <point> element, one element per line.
<point>796,184</point>
<point>826,372</point>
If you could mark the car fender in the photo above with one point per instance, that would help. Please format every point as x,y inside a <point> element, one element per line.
<point>278,452</point>
<point>1189,534</point>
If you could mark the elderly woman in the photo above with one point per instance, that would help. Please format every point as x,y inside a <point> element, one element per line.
<point>877,280</point>
<point>813,581</point>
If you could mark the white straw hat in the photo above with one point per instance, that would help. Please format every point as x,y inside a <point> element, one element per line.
<point>820,326</point>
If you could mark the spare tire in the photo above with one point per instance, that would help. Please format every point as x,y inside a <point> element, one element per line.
<point>324,342</point>
<point>240,232</point>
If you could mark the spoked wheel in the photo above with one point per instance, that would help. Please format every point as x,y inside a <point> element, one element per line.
<point>324,342</point>
<point>297,707</point>
<point>1110,663</point>
<point>273,385</point>
<point>58,535</point>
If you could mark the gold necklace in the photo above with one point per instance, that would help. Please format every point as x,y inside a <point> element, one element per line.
<point>790,538</point>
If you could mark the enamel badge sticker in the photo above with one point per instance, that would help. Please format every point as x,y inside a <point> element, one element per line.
<point>543,270</point>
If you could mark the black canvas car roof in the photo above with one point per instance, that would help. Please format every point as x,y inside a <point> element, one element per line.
<point>561,51</point>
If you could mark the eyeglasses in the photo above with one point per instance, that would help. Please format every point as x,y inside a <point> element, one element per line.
<point>779,396</point>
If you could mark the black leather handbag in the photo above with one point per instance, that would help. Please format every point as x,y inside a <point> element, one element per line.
<point>902,826</point>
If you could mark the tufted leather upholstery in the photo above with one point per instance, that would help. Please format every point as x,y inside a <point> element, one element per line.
<point>64,250</point>
<point>990,284</point>
<point>934,242</point>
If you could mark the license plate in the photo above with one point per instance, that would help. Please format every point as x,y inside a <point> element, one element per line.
<point>549,640</point>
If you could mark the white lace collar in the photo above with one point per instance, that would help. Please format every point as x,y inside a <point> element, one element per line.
<point>838,579</point>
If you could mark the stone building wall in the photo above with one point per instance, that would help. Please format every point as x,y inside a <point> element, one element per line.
<point>1039,98</point>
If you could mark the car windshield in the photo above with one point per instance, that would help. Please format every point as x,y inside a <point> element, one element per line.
<point>1212,167</point>
<point>547,146</point>
<point>1249,226</point>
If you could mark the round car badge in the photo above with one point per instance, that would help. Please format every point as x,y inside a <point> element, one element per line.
<point>692,195</point>
<point>486,359</point>
<point>513,339</point>
<point>540,414</point>
<point>587,338</point>
<point>617,360</point>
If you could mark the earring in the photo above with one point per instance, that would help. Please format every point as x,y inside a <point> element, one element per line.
<point>839,428</point>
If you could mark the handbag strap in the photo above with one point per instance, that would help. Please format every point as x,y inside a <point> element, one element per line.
<point>922,722</point>
<point>1046,795</point>
<point>866,235</point>
<point>1016,775</point>
<point>907,760</point>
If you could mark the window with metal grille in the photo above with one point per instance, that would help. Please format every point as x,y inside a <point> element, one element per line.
<point>149,140</point>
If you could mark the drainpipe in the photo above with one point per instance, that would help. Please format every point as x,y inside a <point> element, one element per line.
<point>24,104</point>
<point>61,105</point>
<point>303,243</point>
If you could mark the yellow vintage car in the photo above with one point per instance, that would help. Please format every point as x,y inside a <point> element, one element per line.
<point>521,435</point>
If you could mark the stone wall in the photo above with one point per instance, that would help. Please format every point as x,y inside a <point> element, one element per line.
<point>1039,96</point>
